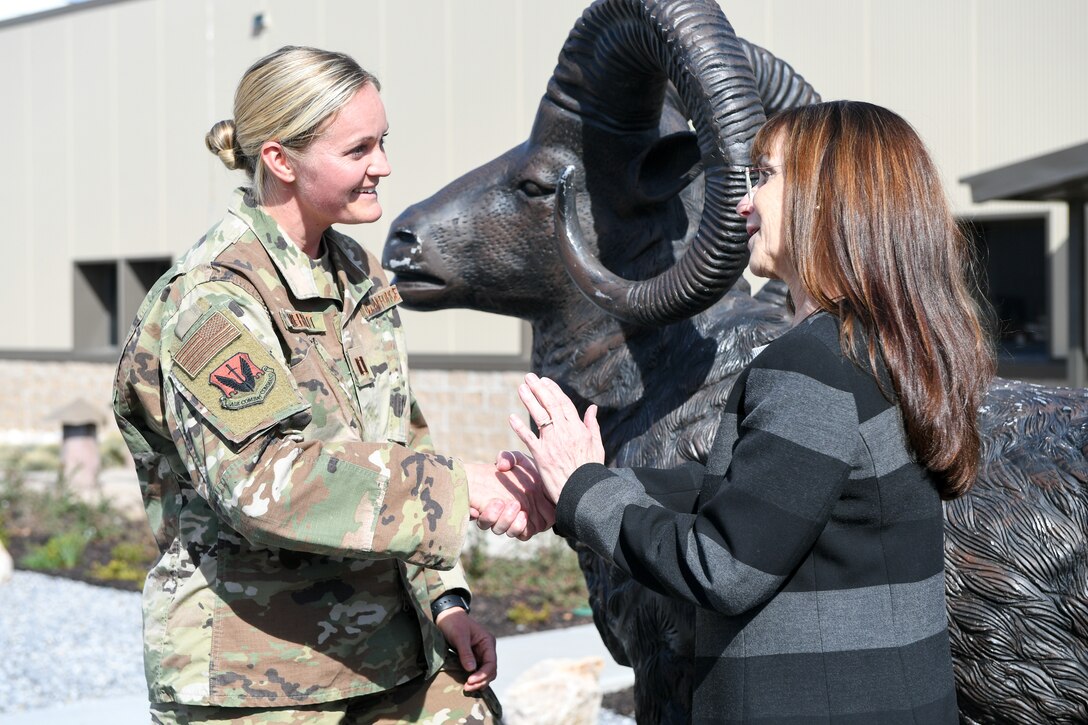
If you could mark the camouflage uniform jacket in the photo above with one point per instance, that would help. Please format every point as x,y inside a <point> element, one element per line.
<point>304,523</point>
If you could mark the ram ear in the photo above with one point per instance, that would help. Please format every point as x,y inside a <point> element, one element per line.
<point>667,166</point>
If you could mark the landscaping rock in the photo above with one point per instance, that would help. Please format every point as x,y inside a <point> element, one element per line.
<point>7,566</point>
<point>556,692</point>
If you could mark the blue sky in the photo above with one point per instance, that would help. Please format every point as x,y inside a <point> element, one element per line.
<point>15,8</point>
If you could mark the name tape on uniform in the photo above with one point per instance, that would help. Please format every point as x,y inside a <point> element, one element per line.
<point>303,321</point>
<point>381,301</point>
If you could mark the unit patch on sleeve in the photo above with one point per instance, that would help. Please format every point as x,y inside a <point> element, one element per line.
<point>243,384</point>
<point>232,379</point>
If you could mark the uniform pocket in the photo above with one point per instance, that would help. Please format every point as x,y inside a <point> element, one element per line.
<point>379,367</point>
<point>332,410</point>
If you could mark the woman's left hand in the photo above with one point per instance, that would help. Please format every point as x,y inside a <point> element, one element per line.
<point>565,441</point>
<point>474,645</point>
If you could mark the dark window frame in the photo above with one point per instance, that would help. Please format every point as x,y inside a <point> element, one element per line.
<point>132,283</point>
<point>106,294</point>
<point>1051,368</point>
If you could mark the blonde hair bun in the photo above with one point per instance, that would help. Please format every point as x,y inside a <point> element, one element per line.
<point>222,142</point>
<point>284,96</point>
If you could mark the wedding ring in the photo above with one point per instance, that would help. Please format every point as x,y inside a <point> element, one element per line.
<point>541,425</point>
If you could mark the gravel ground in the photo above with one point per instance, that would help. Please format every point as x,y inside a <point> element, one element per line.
<point>65,641</point>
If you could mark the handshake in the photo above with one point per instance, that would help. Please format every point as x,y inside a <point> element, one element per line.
<point>517,495</point>
<point>509,497</point>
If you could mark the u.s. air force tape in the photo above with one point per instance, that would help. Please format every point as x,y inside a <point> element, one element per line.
<point>381,300</point>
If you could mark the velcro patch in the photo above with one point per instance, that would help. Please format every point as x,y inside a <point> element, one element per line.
<point>381,301</point>
<point>360,368</point>
<point>303,321</point>
<point>242,383</point>
<point>241,388</point>
<point>215,333</point>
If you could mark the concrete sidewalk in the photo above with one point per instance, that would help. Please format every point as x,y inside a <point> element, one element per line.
<point>516,654</point>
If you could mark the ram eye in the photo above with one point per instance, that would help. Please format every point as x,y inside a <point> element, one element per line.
<point>532,189</point>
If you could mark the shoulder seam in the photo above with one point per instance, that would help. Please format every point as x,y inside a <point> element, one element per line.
<point>214,273</point>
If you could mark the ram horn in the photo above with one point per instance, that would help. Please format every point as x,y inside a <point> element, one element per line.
<point>693,45</point>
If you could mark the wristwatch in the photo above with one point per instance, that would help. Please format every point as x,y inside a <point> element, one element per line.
<point>453,598</point>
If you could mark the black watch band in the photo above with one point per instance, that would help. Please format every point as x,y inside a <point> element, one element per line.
<point>447,600</point>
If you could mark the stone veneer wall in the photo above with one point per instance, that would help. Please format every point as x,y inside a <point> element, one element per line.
<point>30,390</point>
<point>466,411</point>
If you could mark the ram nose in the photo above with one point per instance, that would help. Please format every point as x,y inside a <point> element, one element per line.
<point>404,257</point>
<point>402,249</point>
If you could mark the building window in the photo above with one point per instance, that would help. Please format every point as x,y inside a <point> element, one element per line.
<point>1013,256</point>
<point>138,276</point>
<point>94,300</point>
<point>106,297</point>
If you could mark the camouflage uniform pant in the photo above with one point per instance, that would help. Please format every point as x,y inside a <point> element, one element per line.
<point>438,700</point>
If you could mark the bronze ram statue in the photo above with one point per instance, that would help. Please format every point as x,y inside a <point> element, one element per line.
<point>659,355</point>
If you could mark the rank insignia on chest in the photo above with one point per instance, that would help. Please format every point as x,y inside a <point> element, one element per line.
<point>361,367</point>
<point>242,382</point>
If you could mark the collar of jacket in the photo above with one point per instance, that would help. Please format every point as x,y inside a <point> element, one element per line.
<point>347,256</point>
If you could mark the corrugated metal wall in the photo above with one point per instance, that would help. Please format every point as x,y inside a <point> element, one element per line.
<point>107,106</point>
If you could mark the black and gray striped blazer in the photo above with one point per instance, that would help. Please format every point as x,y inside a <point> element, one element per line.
<point>811,543</point>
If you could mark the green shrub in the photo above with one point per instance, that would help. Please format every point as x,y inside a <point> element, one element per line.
<point>10,491</point>
<point>114,452</point>
<point>41,458</point>
<point>132,553</point>
<point>129,562</point>
<point>474,557</point>
<point>10,456</point>
<point>547,583</point>
<point>77,534</point>
<point>62,551</point>
<point>117,571</point>
<point>15,459</point>
<point>522,613</point>
<point>57,511</point>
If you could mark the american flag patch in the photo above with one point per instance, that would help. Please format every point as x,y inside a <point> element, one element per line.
<point>213,335</point>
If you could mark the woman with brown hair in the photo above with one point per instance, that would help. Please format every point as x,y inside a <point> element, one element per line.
<point>812,539</point>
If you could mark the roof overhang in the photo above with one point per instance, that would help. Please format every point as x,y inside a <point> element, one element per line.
<point>1057,176</point>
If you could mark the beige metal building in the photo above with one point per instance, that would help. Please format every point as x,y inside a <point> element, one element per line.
<point>108,180</point>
